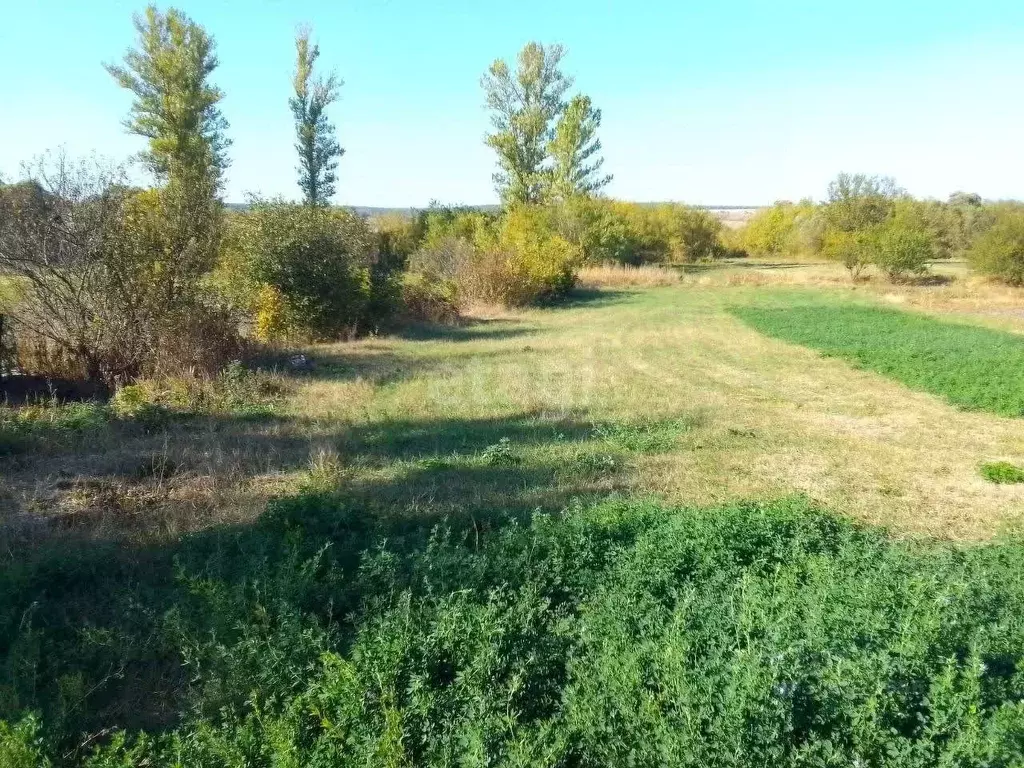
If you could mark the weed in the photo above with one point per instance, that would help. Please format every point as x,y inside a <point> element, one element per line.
<point>500,454</point>
<point>645,436</point>
<point>319,637</point>
<point>1002,472</point>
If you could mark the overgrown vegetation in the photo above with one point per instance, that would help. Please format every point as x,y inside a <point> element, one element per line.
<point>321,636</point>
<point>972,367</point>
<point>999,252</point>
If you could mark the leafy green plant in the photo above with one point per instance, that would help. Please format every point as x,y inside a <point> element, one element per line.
<point>771,631</point>
<point>902,251</point>
<point>318,263</point>
<point>1002,472</point>
<point>999,252</point>
<point>500,453</point>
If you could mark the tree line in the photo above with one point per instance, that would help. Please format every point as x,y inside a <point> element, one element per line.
<point>112,282</point>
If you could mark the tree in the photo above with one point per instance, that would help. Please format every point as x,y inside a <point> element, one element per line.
<point>176,108</point>
<point>999,252</point>
<point>575,152</point>
<point>316,144</point>
<point>175,105</point>
<point>524,106</point>
<point>902,250</point>
<point>857,202</point>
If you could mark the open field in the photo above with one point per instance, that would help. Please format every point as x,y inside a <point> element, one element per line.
<point>264,563</point>
<point>733,415</point>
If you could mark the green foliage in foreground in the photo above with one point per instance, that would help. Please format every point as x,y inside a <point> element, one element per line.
<point>974,368</point>
<point>621,634</point>
<point>1002,472</point>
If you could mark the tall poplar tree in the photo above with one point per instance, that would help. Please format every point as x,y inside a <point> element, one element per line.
<point>316,143</point>
<point>524,105</point>
<point>176,106</point>
<point>575,152</point>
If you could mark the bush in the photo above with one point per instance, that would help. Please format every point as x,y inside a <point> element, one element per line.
<point>109,277</point>
<point>514,261</point>
<point>784,229</point>
<point>901,251</point>
<point>999,252</point>
<point>426,300</point>
<point>308,271</point>
<point>687,234</point>
<point>539,262</point>
<point>851,249</point>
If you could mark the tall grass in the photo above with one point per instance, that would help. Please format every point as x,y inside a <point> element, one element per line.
<point>972,367</point>
<point>616,634</point>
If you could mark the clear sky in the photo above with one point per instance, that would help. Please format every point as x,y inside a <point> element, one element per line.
<point>742,102</point>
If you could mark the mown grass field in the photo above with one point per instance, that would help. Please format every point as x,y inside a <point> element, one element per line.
<point>415,592</point>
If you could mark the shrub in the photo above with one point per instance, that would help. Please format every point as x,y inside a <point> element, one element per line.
<point>428,300</point>
<point>21,744</point>
<point>397,236</point>
<point>689,234</point>
<point>1002,472</point>
<point>999,252</point>
<point>441,223</point>
<point>318,264</point>
<point>110,276</point>
<point>539,262</point>
<point>784,229</point>
<point>901,251</point>
<point>851,249</point>
<point>514,261</point>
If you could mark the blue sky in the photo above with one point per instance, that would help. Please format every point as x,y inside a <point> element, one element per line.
<point>710,103</point>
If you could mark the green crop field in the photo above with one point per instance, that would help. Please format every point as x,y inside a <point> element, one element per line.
<point>972,367</point>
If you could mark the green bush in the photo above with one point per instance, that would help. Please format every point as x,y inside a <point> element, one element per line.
<point>851,249</point>
<point>1002,472</point>
<point>515,260</point>
<point>999,252</point>
<point>614,634</point>
<point>319,265</point>
<point>901,250</point>
<point>428,300</point>
<point>21,744</point>
<point>784,229</point>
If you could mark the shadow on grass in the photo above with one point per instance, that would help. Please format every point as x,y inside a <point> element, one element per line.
<point>580,298</point>
<point>95,612</point>
<point>714,266</point>
<point>475,330</point>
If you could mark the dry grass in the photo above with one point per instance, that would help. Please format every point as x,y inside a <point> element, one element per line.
<point>407,425</point>
<point>624,276</point>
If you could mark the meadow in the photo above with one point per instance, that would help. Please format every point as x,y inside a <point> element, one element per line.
<point>586,534</point>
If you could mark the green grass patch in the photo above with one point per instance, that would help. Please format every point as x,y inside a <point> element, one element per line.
<point>613,634</point>
<point>971,367</point>
<point>1002,472</point>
